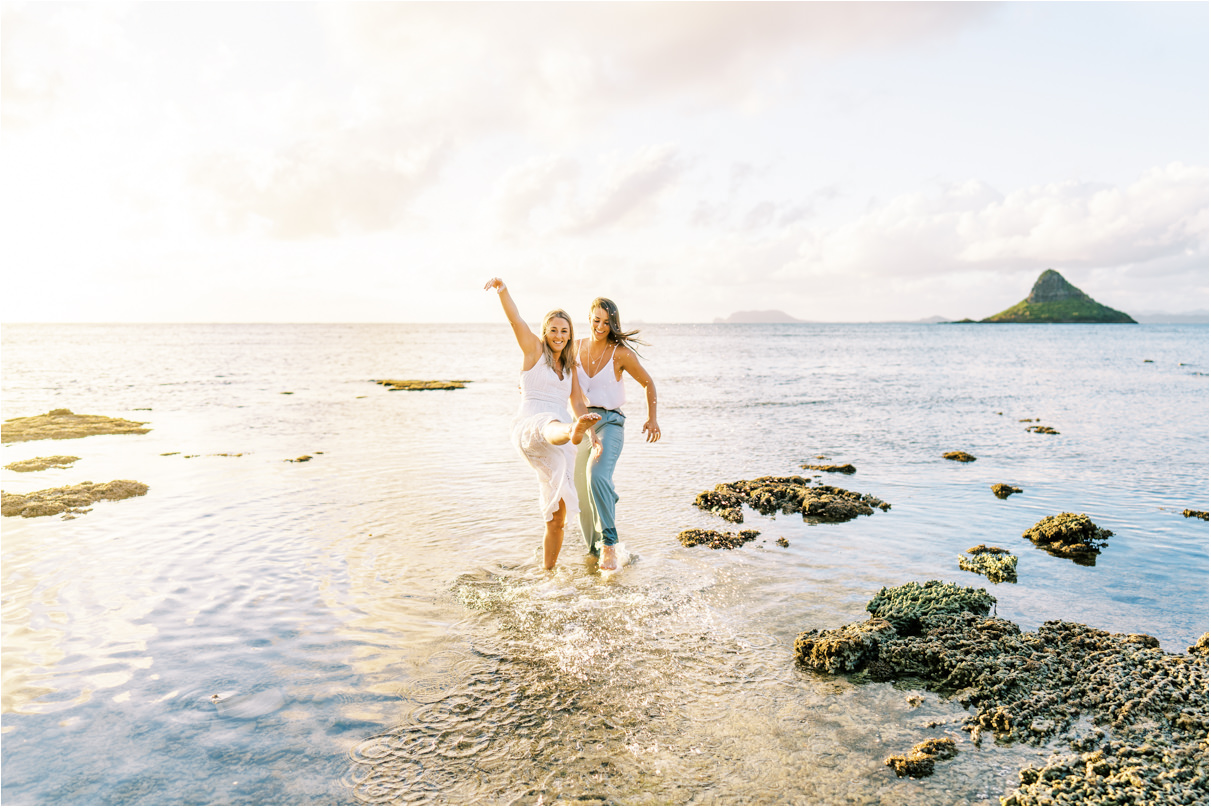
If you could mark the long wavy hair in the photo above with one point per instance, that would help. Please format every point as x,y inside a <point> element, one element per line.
<point>627,339</point>
<point>567,357</point>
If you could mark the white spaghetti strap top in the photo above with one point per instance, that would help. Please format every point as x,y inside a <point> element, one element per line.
<point>604,389</point>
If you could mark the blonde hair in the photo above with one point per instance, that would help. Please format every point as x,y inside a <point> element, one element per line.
<point>567,358</point>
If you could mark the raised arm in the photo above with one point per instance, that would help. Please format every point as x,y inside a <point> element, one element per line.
<point>529,342</point>
<point>629,362</point>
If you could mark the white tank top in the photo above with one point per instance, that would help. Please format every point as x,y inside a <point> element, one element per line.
<point>604,389</point>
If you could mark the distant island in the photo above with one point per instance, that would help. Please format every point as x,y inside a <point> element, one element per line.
<point>1054,300</point>
<point>767,316</point>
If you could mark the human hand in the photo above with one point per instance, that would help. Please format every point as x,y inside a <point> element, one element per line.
<point>653,430</point>
<point>495,283</point>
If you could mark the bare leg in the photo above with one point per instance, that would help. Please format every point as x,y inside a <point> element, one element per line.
<point>553,541</point>
<point>558,433</point>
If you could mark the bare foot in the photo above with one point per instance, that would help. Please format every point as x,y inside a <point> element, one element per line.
<point>583,424</point>
<point>609,558</point>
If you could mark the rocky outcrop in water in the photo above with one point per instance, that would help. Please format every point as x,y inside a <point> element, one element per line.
<point>1003,490</point>
<point>1196,514</point>
<point>920,759</point>
<point>1054,300</point>
<point>845,649</point>
<point>769,495</point>
<point>847,468</point>
<point>63,424</point>
<point>69,500</point>
<point>961,457</point>
<point>418,384</point>
<point>1134,716</point>
<point>1042,430</point>
<point>42,463</point>
<point>1069,535</point>
<point>994,563</point>
<point>716,540</point>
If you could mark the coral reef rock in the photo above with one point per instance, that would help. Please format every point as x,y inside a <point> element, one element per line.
<point>716,540</point>
<point>920,759</point>
<point>995,564</point>
<point>1069,535</point>
<point>43,463</point>
<point>962,457</point>
<point>69,500</point>
<point>1196,514</point>
<point>1134,718</point>
<point>417,384</point>
<point>64,424</point>
<point>845,649</point>
<point>1003,490</point>
<point>769,495</point>
<point>907,605</point>
<point>847,468</point>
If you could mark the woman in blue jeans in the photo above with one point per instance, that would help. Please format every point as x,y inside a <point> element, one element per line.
<point>601,360</point>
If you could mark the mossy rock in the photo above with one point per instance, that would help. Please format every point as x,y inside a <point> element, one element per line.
<point>1069,535</point>
<point>961,457</point>
<point>1003,490</point>
<point>904,606</point>
<point>845,649</point>
<point>771,495</point>
<point>419,384</point>
<point>919,762</point>
<point>995,564</point>
<point>63,424</point>
<point>715,539</point>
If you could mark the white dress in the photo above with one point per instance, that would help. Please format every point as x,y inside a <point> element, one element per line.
<point>544,398</point>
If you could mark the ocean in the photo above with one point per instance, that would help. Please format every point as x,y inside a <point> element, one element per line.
<point>373,625</point>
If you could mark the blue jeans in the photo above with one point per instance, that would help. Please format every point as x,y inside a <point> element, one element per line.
<point>595,480</point>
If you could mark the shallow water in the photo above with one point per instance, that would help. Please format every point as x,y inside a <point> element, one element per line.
<point>372,625</point>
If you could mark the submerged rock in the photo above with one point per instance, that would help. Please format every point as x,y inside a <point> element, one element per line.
<point>417,384</point>
<point>1069,535</point>
<point>1003,490</point>
<point>1196,514</point>
<point>64,424</point>
<point>782,542</point>
<point>43,463</point>
<point>920,759</point>
<point>962,457</point>
<point>769,495</point>
<point>716,540</point>
<point>995,564</point>
<point>69,500</point>
<point>1042,430</point>
<point>847,468</point>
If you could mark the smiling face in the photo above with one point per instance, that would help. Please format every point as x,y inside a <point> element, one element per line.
<point>557,334</point>
<point>599,323</point>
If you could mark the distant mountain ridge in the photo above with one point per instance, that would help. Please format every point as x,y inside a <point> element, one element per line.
<point>1054,300</point>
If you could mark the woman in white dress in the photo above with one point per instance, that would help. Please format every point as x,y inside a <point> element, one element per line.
<point>543,431</point>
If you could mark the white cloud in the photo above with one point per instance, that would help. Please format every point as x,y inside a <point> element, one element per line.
<point>560,65</point>
<point>546,196</point>
<point>972,226</point>
<point>334,182</point>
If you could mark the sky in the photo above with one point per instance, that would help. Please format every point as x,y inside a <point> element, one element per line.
<point>379,162</point>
